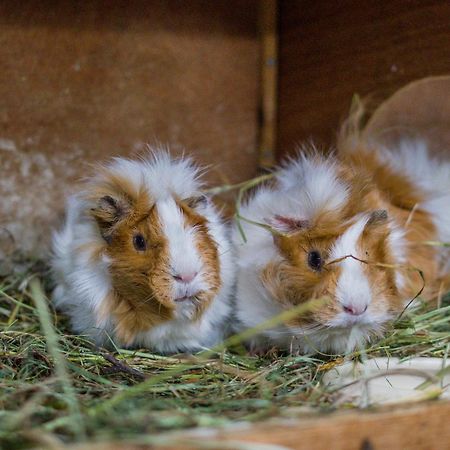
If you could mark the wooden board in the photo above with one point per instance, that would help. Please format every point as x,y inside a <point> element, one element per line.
<point>331,50</point>
<point>408,427</point>
<point>82,81</point>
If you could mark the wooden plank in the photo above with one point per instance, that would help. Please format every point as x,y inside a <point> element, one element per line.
<point>269,76</point>
<point>414,427</point>
<point>421,426</point>
<point>331,50</point>
<point>83,81</point>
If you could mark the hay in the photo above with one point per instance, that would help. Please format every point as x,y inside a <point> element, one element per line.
<point>57,388</point>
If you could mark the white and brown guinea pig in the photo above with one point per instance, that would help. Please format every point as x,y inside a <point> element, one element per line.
<point>144,258</point>
<point>340,227</point>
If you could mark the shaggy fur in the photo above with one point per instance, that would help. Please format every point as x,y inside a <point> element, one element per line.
<point>366,212</point>
<point>143,258</point>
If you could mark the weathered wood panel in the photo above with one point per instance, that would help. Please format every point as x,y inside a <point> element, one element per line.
<point>82,81</point>
<point>412,427</point>
<point>331,50</point>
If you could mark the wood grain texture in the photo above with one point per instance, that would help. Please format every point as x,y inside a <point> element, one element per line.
<point>410,427</point>
<point>416,427</point>
<point>331,50</point>
<point>83,81</point>
<point>269,80</point>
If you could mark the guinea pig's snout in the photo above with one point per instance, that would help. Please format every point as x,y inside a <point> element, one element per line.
<point>187,285</point>
<point>355,310</point>
<point>353,291</point>
<point>185,277</point>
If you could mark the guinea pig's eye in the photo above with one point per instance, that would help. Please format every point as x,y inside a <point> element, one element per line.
<point>139,242</point>
<point>315,260</point>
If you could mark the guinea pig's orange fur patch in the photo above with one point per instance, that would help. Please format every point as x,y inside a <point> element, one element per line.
<point>292,281</point>
<point>373,186</point>
<point>208,250</point>
<point>374,247</point>
<point>402,199</point>
<point>291,286</point>
<point>141,279</point>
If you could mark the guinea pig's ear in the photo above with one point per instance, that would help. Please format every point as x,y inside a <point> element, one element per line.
<point>378,217</point>
<point>196,201</point>
<point>108,211</point>
<point>286,224</point>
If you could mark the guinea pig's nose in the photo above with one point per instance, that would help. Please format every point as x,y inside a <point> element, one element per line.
<point>185,277</point>
<point>355,310</point>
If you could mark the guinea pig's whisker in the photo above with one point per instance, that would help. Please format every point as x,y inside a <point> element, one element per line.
<point>225,252</point>
<point>304,249</point>
<point>342,258</point>
<point>315,327</point>
<point>381,292</point>
<point>304,330</point>
<point>334,284</point>
<point>149,299</point>
<point>165,271</point>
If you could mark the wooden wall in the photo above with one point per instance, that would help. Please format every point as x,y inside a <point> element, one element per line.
<point>331,50</point>
<point>82,81</point>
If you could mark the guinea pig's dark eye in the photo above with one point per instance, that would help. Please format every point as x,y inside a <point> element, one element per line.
<point>315,260</point>
<point>139,242</point>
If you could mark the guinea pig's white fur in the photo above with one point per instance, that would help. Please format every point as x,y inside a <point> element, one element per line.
<point>84,284</point>
<point>431,175</point>
<point>305,186</point>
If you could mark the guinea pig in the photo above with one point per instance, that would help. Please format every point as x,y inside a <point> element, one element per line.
<point>350,229</point>
<point>144,258</point>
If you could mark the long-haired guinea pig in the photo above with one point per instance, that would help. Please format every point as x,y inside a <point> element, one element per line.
<point>350,229</point>
<point>144,259</point>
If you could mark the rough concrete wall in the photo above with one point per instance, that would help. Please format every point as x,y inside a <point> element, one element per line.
<point>84,81</point>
